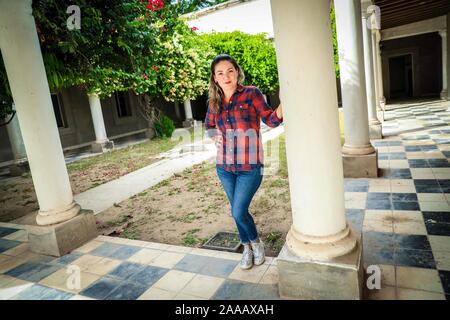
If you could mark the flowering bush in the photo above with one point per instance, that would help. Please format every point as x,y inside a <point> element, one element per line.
<point>184,67</point>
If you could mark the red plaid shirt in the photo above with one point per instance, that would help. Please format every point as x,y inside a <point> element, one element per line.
<point>238,122</point>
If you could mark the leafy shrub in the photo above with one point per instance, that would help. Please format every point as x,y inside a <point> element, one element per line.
<point>164,127</point>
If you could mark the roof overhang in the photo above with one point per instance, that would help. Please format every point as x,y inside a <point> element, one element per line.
<point>396,13</point>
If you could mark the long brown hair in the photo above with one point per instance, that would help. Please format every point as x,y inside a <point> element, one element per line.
<point>215,91</point>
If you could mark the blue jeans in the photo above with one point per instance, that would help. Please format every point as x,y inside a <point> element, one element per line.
<point>240,187</point>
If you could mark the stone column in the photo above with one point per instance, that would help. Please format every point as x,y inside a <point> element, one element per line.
<point>448,52</point>
<point>359,156</point>
<point>374,123</point>
<point>101,143</point>
<point>17,146</point>
<point>319,237</point>
<point>444,92</point>
<point>24,66</point>
<point>177,109</point>
<point>379,69</point>
<point>189,122</point>
<point>375,70</point>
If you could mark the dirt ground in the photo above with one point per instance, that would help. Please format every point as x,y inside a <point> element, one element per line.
<point>186,209</point>
<point>18,197</point>
<point>191,207</point>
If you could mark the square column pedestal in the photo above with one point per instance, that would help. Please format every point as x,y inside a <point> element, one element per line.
<point>375,131</point>
<point>102,147</point>
<point>60,239</point>
<point>337,279</point>
<point>356,166</point>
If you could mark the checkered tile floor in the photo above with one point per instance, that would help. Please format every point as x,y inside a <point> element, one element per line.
<point>415,116</point>
<point>113,268</point>
<point>404,216</point>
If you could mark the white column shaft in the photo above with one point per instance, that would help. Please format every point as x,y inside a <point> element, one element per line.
<point>97,118</point>
<point>177,109</point>
<point>15,138</point>
<point>448,52</point>
<point>26,74</point>
<point>313,147</point>
<point>379,71</point>
<point>353,83</point>
<point>368,68</point>
<point>188,109</point>
<point>375,70</point>
<point>444,62</point>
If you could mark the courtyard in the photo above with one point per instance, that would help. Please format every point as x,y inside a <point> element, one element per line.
<point>403,217</point>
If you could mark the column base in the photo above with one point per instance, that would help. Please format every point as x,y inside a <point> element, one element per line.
<point>337,279</point>
<point>17,169</point>
<point>97,147</point>
<point>383,103</point>
<point>444,95</point>
<point>60,239</point>
<point>380,115</point>
<point>188,123</point>
<point>375,131</point>
<point>150,133</point>
<point>360,166</point>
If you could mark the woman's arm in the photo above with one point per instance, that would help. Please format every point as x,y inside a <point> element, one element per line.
<point>279,111</point>
<point>272,118</point>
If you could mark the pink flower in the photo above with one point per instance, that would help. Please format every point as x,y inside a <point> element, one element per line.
<point>164,29</point>
<point>144,76</point>
<point>194,28</point>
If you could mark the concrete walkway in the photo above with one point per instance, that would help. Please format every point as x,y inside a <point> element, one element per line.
<point>176,160</point>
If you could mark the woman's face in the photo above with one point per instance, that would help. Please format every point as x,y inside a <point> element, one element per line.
<point>226,75</point>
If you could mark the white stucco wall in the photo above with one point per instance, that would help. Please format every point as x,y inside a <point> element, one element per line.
<point>252,17</point>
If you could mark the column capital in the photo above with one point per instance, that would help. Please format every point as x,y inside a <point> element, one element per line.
<point>443,33</point>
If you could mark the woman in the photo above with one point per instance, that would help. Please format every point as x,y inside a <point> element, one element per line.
<point>233,122</point>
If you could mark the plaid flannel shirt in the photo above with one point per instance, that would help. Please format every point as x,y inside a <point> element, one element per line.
<point>238,122</point>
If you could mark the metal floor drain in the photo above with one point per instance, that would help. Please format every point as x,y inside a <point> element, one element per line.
<point>223,241</point>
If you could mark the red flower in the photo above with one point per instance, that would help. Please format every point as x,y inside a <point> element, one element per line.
<point>155,5</point>
<point>144,76</point>
<point>164,29</point>
<point>194,28</point>
<point>155,68</point>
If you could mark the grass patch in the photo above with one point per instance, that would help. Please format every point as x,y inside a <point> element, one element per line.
<point>275,240</point>
<point>188,218</point>
<point>190,239</point>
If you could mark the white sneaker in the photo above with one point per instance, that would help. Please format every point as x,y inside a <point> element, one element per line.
<point>258,252</point>
<point>247,258</point>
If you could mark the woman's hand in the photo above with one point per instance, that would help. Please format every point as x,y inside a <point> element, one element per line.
<point>279,111</point>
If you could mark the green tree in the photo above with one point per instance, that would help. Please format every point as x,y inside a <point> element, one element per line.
<point>254,53</point>
<point>335,44</point>
<point>184,70</point>
<point>112,51</point>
